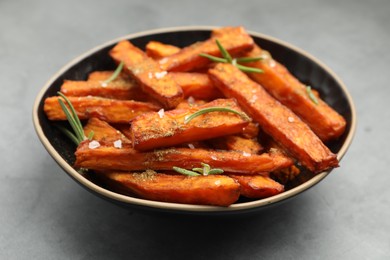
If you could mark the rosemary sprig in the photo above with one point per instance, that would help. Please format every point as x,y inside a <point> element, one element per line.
<point>115,74</point>
<point>78,133</point>
<point>227,58</point>
<point>206,170</point>
<point>215,109</point>
<point>311,95</point>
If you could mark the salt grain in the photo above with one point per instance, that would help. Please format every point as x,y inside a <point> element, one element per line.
<point>214,157</point>
<point>191,100</point>
<point>93,144</point>
<point>118,144</point>
<point>103,84</point>
<point>246,154</point>
<point>161,113</point>
<point>217,182</point>
<point>160,75</point>
<point>150,75</point>
<point>191,146</point>
<point>290,119</point>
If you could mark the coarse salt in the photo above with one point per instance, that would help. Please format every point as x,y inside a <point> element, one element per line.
<point>161,113</point>
<point>217,182</point>
<point>93,144</point>
<point>160,75</point>
<point>191,146</point>
<point>246,154</point>
<point>290,119</point>
<point>150,75</point>
<point>103,84</point>
<point>253,99</point>
<point>118,144</point>
<point>213,157</point>
<point>191,100</point>
<point>163,60</point>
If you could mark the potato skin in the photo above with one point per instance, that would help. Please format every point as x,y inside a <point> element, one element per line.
<point>277,80</point>
<point>152,79</point>
<point>109,110</point>
<point>107,157</point>
<point>257,186</point>
<point>216,190</point>
<point>155,130</point>
<point>234,39</point>
<point>275,119</point>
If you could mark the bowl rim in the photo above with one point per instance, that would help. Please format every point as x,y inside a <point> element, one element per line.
<point>177,207</point>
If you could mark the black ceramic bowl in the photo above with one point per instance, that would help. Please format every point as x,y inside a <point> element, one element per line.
<point>304,66</point>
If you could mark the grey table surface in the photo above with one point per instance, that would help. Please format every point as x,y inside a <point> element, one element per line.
<point>44,214</point>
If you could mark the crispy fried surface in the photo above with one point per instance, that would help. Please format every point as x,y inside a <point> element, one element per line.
<point>274,118</point>
<point>128,159</point>
<point>154,130</point>
<point>235,40</point>
<point>158,50</point>
<point>110,110</point>
<point>147,72</point>
<point>217,190</point>
<point>257,186</point>
<point>277,80</point>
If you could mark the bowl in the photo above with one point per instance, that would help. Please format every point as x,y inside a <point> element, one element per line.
<point>301,64</point>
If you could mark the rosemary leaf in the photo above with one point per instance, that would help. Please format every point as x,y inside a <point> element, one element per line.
<point>115,74</point>
<point>249,59</point>
<point>311,95</point>
<point>214,109</point>
<point>216,171</point>
<point>206,168</point>
<point>184,171</point>
<point>69,134</point>
<point>199,170</point>
<point>71,121</point>
<point>248,69</point>
<point>224,52</point>
<point>213,58</point>
<point>90,135</point>
<point>79,132</point>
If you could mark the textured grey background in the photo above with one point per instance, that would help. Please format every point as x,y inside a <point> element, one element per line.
<point>46,215</point>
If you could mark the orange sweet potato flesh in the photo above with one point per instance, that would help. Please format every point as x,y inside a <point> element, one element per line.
<point>234,39</point>
<point>275,119</point>
<point>102,75</point>
<point>155,130</point>
<point>106,157</point>
<point>237,143</point>
<point>277,80</point>
<point>124,89</point>
<point>110,110</point>
<point>196,85</point>
<point>158,50</point>
<point>147,72</point>
<point>257,186</point>
<point>216,190</point>
<point>103,132</point>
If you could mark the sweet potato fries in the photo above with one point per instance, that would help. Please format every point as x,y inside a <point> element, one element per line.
<point>177,125</point>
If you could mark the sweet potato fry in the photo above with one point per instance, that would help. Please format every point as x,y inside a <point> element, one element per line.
<point>124,89</point>
<point>104,132</point>
<point>251,130</point>
<point>154,130</point>
<point>257,186</point>
<point>158,50</point>
<point>237,143</point>
<point>217,190</point>
<point>274,118</point>
<point>153,80</point>
<point>196,85</point>
<point>235,40</point>
<point>129,159</point>
<point>277,80</point>
<point>102,75</point>
<point>110,110</point>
